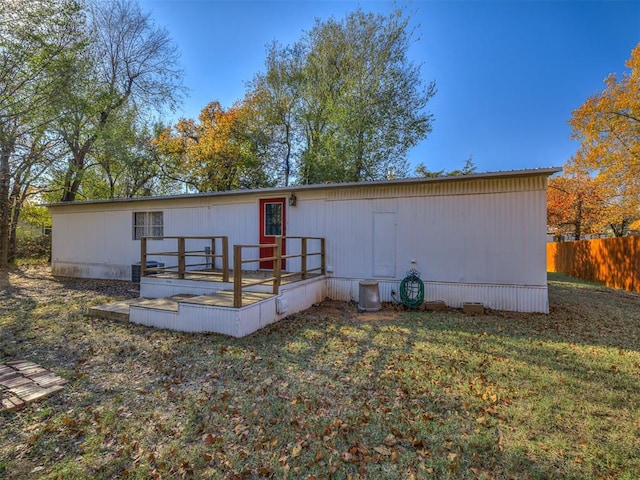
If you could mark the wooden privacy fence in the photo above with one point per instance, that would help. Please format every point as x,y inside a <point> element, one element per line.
<point>614,262</point>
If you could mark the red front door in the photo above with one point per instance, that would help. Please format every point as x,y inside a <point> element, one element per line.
<point>272,224</point>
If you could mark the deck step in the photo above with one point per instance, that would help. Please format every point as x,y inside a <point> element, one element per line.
<point>120,310</point>
<point>214,312</point>
<point>112,311</point>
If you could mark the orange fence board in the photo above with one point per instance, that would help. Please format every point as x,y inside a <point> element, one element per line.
<point>614,262</point>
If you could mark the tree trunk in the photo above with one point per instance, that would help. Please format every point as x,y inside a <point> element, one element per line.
<point>17,199</point>
<point>5,206</point>
<point>287,158</point>
<point>75,171</point>
<point>578,224</point>
<point>358,169</point>
<point>13,227</point>
<point>619,229</point>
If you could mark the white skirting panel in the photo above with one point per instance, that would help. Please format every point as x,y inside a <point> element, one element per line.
<point>514,298</point>
<point>256,316</point>
<point>296,297</point>
<point>302,295</point>
<point>189,318</point>
<point>91,270</point>
<point>236,322</point>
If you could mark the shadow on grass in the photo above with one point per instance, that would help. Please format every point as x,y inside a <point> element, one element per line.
<point>330,392</point>
<point>560,390</point>
<point>16,307</point>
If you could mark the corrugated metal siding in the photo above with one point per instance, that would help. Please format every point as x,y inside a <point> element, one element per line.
<point>307,218</point>
<point>237,221</point>
<point>484,232</point>
<point>490,238</point>
<point>454,187</point>
<point>97,237</point>
<point>497,297</point>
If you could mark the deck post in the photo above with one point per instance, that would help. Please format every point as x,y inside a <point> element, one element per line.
<point>277,264</point>
<point>143,256</point>
<point>237,276</point>
<point>225,259</point>
<point>322,257</point>
<point>213,253</point>
<point>303,260</point>
<point>181,257</point>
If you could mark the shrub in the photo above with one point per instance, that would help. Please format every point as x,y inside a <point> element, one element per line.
<point>32,247</point>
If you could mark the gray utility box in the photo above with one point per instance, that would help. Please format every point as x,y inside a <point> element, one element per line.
<point>369,296</point>
<point>136,269</point>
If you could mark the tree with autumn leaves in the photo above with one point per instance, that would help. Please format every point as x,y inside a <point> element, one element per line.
<point>574,206</point>
<point>216,153</point>
<point>608,126</point>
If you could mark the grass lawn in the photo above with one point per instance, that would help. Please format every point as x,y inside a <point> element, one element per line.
<point>328,393</point>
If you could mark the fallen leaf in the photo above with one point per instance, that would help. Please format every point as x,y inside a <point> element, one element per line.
<point>390,440</point>
<point>295,451</point>
<point>382,450</point>
<point>265,471</point>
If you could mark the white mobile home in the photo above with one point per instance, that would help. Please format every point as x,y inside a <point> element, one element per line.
<point>474,238</point>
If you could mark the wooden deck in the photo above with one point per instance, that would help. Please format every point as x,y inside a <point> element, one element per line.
<point>208,309</point>
<point>217,276</point>
<point>120,310</point>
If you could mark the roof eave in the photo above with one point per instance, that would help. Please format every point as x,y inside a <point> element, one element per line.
<point>548,171</point>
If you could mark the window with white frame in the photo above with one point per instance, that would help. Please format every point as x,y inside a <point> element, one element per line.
<point>147,224</point>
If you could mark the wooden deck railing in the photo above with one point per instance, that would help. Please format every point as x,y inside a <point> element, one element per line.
<point>208,253</point>
<point>182,267</point>
<point>304,255</point>
<point>238,261</point>
<point>276,258</point>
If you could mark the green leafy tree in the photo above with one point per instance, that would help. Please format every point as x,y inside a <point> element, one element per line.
<point>468,168</point>
<point>345,100</point>
<point>38,42</point>
<point>272,106</point>
<point>126,162</point>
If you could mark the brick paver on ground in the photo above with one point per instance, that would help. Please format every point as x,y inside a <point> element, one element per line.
<point>22,382</point>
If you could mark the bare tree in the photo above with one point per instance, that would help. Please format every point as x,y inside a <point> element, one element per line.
<point>129,61</point>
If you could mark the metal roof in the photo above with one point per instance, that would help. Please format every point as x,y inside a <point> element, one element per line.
<point>323,186</point>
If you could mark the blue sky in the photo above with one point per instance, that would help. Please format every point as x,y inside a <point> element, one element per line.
<point>509,73</point>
